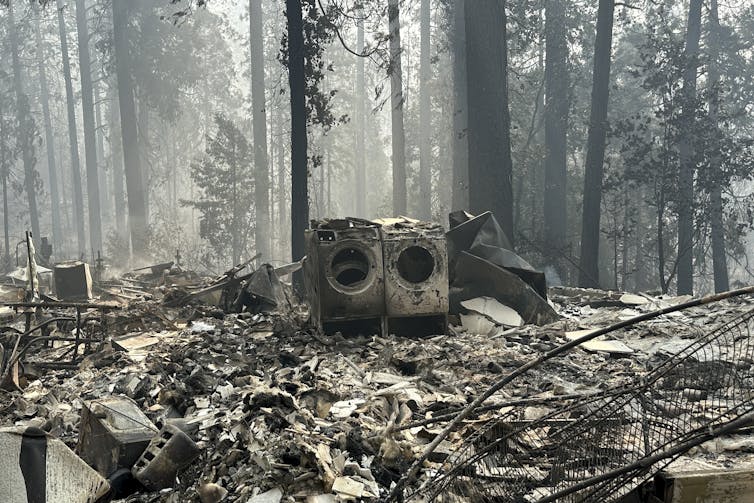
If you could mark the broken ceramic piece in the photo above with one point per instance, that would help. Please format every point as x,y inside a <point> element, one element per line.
<point>271,496</point>
<point>475,323</point>
<point>631,299</point>
<point>348,487</point>
<point>494,310</point>
<point>597,345</point>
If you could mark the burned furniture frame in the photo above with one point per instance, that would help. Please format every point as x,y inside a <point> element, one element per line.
<point>25,340</point>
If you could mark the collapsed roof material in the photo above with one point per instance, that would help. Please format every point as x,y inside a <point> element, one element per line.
<point>482,264</point>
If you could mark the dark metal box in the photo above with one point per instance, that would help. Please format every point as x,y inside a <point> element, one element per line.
<point>113,433</point>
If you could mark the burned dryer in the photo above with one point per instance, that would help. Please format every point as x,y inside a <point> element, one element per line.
<point>416,277</point>
<point>345,276</point>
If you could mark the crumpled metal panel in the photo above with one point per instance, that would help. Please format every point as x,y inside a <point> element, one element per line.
<point>482,237</point>
<point>37,468</point>
<point>476,277</point>
<point>482,264</point>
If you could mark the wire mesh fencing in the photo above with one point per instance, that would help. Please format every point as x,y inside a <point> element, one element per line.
<point>600,448</point>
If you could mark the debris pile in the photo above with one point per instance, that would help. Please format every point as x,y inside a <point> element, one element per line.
<point>606,444</point>
<point>191,389</point>
<point>280,412</point>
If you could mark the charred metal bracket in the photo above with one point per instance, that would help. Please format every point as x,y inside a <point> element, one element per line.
<point>21,342</point>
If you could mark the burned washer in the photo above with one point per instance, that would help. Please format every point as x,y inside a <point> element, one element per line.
<point>416,277</point>
<point>345,276</point>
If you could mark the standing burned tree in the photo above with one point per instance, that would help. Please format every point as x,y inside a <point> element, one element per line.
<point>595,157</point>
<point>137,213</point>
<point>490,163</point>
<point>27,127</point>
<point>302,52</point>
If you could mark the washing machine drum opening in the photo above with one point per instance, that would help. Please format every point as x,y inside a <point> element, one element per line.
<point>350,268</point>
<point>416,264</point>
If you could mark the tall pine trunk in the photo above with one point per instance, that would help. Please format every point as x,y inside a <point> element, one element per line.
<point>105,200</point>
<point>142,130</point>
<point>686,153</point>
<point>116,161</point>
<point>90,138</point>
<point>25,122</point>
<point>259,119</point>
<point>299,169</point>
<point>236,230</point>
<point>719,261</point>
<point>360,193</point>
<point>556,128</point>
<point>137,214</point>
<point>396,106</point>
<point>595,154</point>
<point>49,135</point>
<point>490,164</point>
<point>425,119</point>
<point>283,219</point>
<point>460,192</point>
<point>6,228</point>
<point>78,197</point>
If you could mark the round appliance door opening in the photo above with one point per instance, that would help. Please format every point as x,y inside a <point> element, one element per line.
<point>350,267</point>
<point>416,264</point>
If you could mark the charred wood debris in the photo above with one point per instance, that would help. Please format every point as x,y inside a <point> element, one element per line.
<point>163,385</point>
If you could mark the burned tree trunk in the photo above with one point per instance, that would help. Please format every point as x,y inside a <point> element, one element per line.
<point>137,220</point>
<point>595,155</point>
<point>425,119</point>
<point>719,261</point>
<point>90,138</point>
<point>460,193</point>
<point>361,185</point>
<point>25,123</point>
<point>490,164</point>
<point>49,136</point>
<point>283,220</point>
<point>142,130</point>
<point>4,173</point>
<point>556,128</point>
<point>78,197</point>
<point>116,160</point>
<point>686,153</point>
<point>396,107</point>
<point>259,119</point>
<point>299,168</point>
<point>236,210</point>
<point>105,200</point>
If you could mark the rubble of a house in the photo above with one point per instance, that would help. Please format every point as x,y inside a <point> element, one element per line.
<point>274,410</point>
